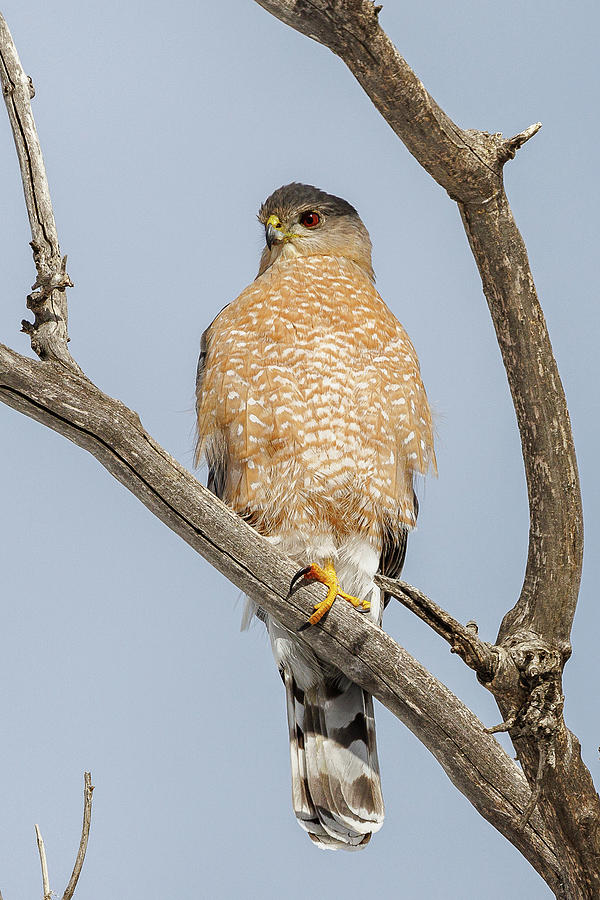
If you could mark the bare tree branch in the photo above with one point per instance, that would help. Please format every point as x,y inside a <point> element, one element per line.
<point>550,590</point>
<point>43,863</point>
<point>463,639</point>
<point>88,790</point>
<point>48,301</point>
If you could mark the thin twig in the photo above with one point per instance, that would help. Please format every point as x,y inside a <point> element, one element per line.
<point>463,639</point>
<point>515,143</point>
<point>44,864</point>
<point>88,789</point>
<point>503,726</point>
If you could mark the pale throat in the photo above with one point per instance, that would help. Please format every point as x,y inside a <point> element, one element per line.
<point>279,252</point>
<point>287,250</point>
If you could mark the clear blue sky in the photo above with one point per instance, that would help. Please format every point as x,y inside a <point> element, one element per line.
<point>163,128</point>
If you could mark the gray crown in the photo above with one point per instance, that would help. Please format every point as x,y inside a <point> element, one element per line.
<point>294,198</point>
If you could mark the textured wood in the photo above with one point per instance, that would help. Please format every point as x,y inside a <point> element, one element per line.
<point>550,590</point>
<point>49,335</point>
<point>462,162</point>
<point>479,655</point>
<point>88,790</point>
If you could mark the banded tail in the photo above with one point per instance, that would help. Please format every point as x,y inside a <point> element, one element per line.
<point>336,786</point>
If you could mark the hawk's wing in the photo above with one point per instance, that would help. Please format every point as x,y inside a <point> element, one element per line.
<point>216,463</point>
<point>393,552</point>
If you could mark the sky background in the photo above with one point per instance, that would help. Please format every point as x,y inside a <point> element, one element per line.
<point>163,128</point>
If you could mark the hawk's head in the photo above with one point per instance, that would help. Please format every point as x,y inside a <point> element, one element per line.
<point>301,220</point>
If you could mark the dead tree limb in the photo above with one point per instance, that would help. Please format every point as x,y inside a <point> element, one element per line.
<point>43,864</point>
<point>463,639</point>
<point>48,301</point>
<point>88,790</point>
<point>560,837</point>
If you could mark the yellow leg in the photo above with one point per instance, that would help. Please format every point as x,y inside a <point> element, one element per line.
<point>327,576</point>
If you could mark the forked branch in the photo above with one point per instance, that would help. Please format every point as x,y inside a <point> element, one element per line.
<point>88,789</point>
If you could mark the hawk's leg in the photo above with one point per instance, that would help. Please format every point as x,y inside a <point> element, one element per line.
<point>327,576</point>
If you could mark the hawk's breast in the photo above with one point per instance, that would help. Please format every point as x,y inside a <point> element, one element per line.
<point>312,393</point>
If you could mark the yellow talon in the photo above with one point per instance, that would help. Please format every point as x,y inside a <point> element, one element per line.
<point>327,576</point>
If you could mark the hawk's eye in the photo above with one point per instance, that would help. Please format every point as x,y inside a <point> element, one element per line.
<point>310,219</point>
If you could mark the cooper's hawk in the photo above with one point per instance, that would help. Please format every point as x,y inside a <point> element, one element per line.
<point>314,420</point>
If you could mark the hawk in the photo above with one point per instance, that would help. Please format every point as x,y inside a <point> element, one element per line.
<point>314,421</point>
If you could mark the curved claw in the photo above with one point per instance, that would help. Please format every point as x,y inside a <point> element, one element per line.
<point>297,577</point>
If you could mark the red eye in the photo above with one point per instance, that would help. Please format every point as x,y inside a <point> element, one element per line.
<point>310,219</point>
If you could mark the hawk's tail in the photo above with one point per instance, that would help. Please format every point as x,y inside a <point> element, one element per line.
<point>336,787</point>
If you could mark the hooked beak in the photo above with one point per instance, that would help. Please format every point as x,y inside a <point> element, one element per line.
<point>274,231</point>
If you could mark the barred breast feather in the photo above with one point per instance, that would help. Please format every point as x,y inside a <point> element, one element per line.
<point>312,391</point>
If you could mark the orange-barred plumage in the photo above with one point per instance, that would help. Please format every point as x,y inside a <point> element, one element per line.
<point>312,387</point>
